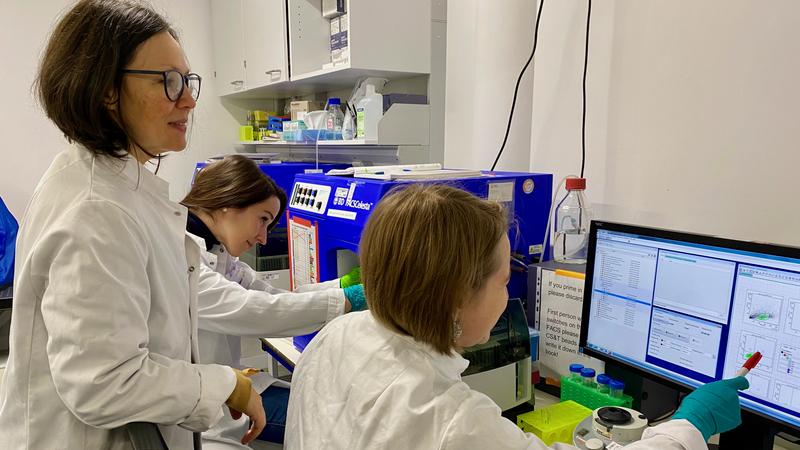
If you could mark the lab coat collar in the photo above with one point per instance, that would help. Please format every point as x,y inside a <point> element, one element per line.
<point>135,175</point>
<point>451,366</point>
<point>208,256</point>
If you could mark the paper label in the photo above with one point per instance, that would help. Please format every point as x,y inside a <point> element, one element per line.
<point>561,308</point>
<point>349,215</point>
<point>501,192</point>
<point>303,251</point>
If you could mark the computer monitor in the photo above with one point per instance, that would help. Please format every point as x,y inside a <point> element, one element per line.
<point>689,309</point>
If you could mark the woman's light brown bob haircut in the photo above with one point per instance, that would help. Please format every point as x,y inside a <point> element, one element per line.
<point>425,250</point>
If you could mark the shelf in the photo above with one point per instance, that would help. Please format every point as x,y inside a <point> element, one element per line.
<point>322,143</point>
<point>403,124</point>
<point>323,80</point>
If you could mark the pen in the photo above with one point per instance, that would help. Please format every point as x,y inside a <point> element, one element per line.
<point>749,364</point>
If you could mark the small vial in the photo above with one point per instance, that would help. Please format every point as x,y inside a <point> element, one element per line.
<point>588,377</point>
<point>615,388</point>
<point>602,383</point>
<point>575,372</point>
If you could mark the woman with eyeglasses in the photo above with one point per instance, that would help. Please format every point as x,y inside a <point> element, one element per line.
<point>104,325</point>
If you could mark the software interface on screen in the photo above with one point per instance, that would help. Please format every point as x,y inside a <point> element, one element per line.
<point>694,313</point>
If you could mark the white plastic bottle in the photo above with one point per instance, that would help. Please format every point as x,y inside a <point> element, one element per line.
<point>369,111</point>
<point>572,224</point>
<point>348,125</point>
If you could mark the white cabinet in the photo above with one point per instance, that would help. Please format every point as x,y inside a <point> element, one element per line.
<point>250,45</point>
<point>265,46</point>
<point>258,42</point>
<point>284,47</point>
<point>227,34</point>
<point>386,37</point>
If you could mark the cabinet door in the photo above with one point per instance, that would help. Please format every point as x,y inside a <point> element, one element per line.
<point>265,42</point>
<point>228,38</point>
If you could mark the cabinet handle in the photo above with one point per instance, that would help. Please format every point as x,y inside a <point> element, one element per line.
<point>270,72</point>
<point>237,82</point>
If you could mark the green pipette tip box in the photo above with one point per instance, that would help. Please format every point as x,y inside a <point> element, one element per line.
<point>589,396</point>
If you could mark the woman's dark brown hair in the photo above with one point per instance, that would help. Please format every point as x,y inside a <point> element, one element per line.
<point>81,71</point>
<point>233,182</point>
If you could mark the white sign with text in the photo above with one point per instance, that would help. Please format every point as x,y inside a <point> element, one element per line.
<point>560,311</point>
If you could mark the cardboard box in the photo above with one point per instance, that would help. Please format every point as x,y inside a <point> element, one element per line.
<point>340,50</point>
<point>303,106</point>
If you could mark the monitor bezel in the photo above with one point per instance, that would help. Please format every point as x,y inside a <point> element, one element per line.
<point>693,238</point>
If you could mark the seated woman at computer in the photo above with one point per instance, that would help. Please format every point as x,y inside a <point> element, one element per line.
<point>232,205</point>
<point>435,264</point>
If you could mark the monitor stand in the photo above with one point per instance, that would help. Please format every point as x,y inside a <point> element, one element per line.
<point>755,433</point>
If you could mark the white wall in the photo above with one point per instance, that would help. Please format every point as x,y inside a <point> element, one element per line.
<point>692,106</point>
<point>693,112</point>
<point>215,131</point>
<point>30,141</point>
<point>487,45</point>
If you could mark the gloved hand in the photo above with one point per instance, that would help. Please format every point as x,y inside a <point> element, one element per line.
<point>355,295</point>
<point>714,407</point>
<point>351,278</point>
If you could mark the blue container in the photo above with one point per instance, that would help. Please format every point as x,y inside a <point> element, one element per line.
<point>602,383</point>
<point>616,388</point>
<point>575,372</point>
<point>587,374</point>
<point>275,123</point>
<point>534,333</point>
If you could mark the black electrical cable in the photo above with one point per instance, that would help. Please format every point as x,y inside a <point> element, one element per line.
<point>585,66</point>
<point>519,79</point>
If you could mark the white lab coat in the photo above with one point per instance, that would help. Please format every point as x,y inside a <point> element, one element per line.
<point>359,385</point>
<point>233,302</point>
<point>104,325</point>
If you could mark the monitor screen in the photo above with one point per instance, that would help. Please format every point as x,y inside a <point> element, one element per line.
<point>691,309</point>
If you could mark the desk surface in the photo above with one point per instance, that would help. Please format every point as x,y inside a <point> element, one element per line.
<point>284,347</point>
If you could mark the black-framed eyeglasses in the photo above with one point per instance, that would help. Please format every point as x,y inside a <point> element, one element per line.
<point>174,82</point>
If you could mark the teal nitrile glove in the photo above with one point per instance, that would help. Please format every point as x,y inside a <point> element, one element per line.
<point>714,408</point>
<point>355,295</point>
<point>351,278</point>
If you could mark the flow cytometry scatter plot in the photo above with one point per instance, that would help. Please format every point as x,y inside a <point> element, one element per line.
<point>750,343</point>
<point>786,394</point>
<point>763,309</point>
<point>759,385</point>
<point>789,361</point>
<point>792,324</point>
